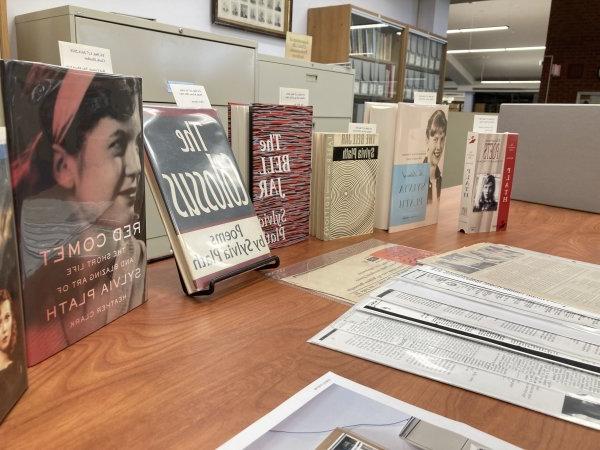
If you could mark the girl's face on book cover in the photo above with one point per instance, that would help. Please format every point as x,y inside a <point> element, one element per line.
<point>436,142</point>
<point>109,168</point>
<point>6,325</point>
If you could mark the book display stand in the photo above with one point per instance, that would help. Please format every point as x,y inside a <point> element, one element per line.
<point>270,263</point>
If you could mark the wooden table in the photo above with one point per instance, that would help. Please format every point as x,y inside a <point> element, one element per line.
<point>179,372</point>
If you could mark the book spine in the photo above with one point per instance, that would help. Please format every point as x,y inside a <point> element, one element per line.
<point>328,160</point>
<point>468,181</point>
<point>229,122</point>
<point>507,179</point>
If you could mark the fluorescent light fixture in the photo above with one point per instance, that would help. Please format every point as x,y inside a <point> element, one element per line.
<point>477,30</point>
<point>360,54</point>
<point>525,49</point>
<point>495,50</point>
<point>510,82</point>
<point>370,25</point>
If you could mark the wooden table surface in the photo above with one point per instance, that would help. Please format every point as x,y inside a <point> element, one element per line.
<point>186,373</point>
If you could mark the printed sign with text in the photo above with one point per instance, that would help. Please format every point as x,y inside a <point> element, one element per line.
<point>293,96</point>
<point>84,57</point>
<point>190,96</point>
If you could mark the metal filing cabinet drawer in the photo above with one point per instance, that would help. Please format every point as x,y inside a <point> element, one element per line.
<point>160,57</point>
<point>331,88</point>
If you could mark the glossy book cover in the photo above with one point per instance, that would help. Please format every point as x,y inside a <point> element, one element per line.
<point>281,141</point>
<point>75,148</point>
<point>207,211</point>
<point>418,165</point>
<point>13,368</point>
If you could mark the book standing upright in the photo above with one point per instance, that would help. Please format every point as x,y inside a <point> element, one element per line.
<point>13,367</point>
<point>75,148</point>
<point>201,198</point>
<point>487,181</point>
<point>418,166</point>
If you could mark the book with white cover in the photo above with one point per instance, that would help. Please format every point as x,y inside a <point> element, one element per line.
<point>384,116</point>
<point>418,165</point>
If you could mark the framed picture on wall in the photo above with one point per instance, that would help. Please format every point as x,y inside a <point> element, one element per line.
<point>273,17</point>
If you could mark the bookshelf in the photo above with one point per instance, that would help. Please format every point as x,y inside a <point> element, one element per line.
<point>391,60</point>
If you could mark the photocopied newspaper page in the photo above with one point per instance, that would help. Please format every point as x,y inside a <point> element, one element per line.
<point>445,281</point>
<point>564,281</point>
<point>335,413</point>
<point>352,272</point>
<point>462,308</point>
<point>551,388</point>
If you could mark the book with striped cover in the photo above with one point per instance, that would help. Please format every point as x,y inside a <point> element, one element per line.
<point>280,141</point>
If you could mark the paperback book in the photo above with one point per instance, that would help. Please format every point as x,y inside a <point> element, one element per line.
<point>207,212</point>
<point>280,152</point>
<point>487,181</point>
<point>75,148</point>
<point>343,184</point>
<point>418,165</point>
<point>13,366</point>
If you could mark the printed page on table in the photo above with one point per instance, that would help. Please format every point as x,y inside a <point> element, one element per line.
<point>548,387</point>
<point>348,274</point>
<point>566,282</point>
<point>364,419</point>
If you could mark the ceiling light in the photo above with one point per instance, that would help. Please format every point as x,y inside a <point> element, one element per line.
<point>510,82</point>
<point>370,25</point>
<point>495,50</point>
<point>477,30</point>
<point>524,49</point>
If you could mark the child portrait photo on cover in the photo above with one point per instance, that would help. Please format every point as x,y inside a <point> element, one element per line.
<point>77,176</point>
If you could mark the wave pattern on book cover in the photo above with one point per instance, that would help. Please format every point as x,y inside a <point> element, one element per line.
<point>352,192</point>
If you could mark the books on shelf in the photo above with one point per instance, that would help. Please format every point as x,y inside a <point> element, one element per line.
<point>276,152</point>
<point>343,184</point>
<point>201,198</point>
<point>75,152</point>
<point>487,181</point>
<point>13,366</point>
<point>417,165</point>
<point>424,53</point>
<point>374,79</point>
<point>372,43</point>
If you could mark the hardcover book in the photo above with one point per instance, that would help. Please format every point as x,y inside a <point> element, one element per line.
<point>281,151</point>
<point>13,367</point>
<point>487,181</point>
<point>418,165</point>
<point>343,184</point>
<point>384,115</point>
<point>74,144</point>
<point>200,194</point>
<point>238,123</point>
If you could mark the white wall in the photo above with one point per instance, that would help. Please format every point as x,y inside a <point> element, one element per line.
<point>197,14</point>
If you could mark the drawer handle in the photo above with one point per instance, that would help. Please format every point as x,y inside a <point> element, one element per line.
<point>312,77</point>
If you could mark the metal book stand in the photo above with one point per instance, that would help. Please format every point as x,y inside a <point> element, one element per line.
<point>271,262</point>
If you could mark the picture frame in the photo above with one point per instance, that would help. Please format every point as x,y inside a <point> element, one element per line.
<point>271,17</point>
